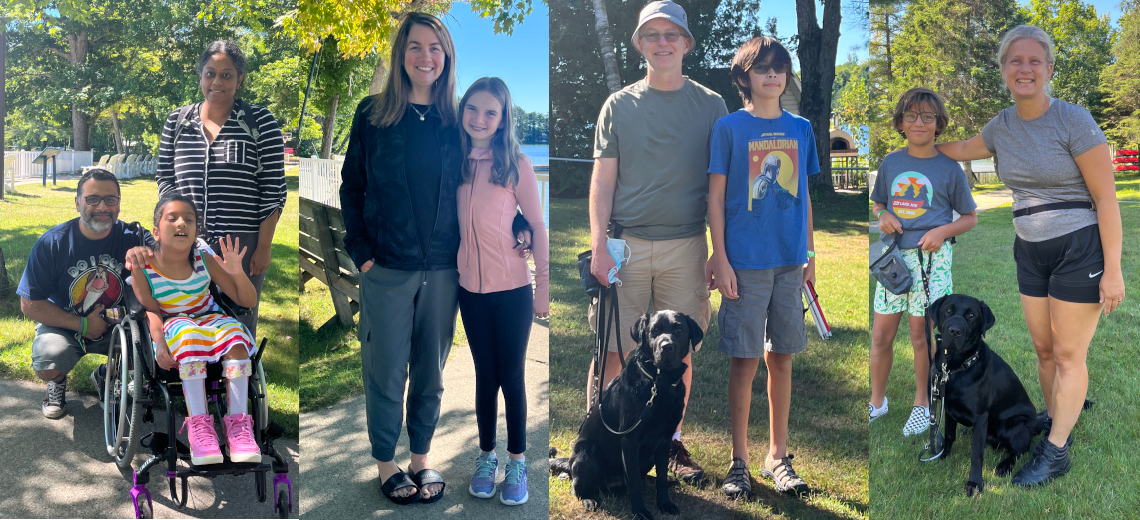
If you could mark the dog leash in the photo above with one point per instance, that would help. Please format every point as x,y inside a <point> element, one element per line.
<point>648,405</point>
<point>607,320</point>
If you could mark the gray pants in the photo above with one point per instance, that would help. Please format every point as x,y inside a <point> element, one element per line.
<point>246,240</point>
<point>57,349</point>
<point>407,322</point>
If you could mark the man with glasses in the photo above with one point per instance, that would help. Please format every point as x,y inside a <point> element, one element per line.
<point>75,272</point>
<point>651,155</point>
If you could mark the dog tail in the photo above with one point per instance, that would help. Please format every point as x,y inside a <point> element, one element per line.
<point>1088,405</point>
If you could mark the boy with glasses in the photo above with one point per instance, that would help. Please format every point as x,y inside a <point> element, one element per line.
<point>75,272</point>
<point>762,233</point>
<point>916,193</point>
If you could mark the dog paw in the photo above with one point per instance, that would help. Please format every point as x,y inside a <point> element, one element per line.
<point>974,488</point>
<point>589,505</point>
<point>642,515</point>
<point>1003,469</point>
<point>668,508</point>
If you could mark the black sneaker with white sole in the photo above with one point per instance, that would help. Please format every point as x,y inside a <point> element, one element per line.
<point>98,376</point>
<point>56,399</point>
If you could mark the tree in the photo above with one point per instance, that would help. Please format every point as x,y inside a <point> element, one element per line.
<point>1120,81</point>
<point>1082,43</point>
<point>606,44</point>
<point>817,48</point>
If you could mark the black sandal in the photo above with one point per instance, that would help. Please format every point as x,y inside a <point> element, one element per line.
<point>396,482</point>
<point>430,476</point>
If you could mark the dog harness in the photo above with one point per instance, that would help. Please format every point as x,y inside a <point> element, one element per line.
<point>648,405</point>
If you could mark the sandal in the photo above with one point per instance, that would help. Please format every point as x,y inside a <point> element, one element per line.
<point>396,482</point>
<point>430,476</point>
<point>738,482</point>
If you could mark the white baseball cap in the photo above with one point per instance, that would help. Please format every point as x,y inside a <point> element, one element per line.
<point>663,9</point>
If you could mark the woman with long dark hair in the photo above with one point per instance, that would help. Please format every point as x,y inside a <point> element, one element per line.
<point>228,156</point>
<point>398,199</point>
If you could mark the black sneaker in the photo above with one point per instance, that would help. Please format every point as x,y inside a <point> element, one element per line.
<point>98,376</point>
<point>1049,462</point>
<point>55,400</point>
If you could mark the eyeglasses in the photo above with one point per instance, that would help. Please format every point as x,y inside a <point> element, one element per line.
<point>927,117</point>
<point>670,37</point>
<point>763,68</point>
<point>94,200</point>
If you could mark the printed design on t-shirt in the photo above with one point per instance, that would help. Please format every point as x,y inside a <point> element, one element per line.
<point>773,170</point>
<point>911,195</point>
<point>95,283</point>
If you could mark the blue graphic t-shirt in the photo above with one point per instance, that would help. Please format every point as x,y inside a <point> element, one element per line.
<point>923,193</point>
<point>767,162</point>
<point>75,272</point>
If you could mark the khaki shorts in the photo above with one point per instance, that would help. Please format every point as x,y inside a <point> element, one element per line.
<point>664,274</point>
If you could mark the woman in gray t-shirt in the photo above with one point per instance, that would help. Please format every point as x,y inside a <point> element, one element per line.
<point>1056,161</point>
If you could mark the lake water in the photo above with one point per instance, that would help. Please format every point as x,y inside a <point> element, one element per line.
<point>538,153</point>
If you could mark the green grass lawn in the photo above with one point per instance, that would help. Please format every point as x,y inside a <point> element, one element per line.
<point>24,216</point>
<point>827,431</point>
<point>1102,482</point>
<point>1127,186</point>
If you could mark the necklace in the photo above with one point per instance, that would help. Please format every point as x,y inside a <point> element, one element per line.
<point>421,114</point>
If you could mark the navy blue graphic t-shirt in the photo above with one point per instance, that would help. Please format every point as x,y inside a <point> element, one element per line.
<point>767,162</point>
<point>75,272</point>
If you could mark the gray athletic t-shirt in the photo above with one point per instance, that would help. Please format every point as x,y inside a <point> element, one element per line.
<point>661,140</point>
<point>1036,160</point>
<point>923,193</point>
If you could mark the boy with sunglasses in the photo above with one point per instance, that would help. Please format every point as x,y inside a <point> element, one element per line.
<point>74,272</point>
<point>916,193</point>
<point>761,222</point>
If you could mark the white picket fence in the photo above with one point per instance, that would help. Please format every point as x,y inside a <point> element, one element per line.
<point>320,182</point>
<point>67,162</point>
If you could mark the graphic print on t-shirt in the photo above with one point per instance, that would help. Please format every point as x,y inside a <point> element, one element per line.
<point>95,283</point>
<point>773,170</point>
<point>911,195</point>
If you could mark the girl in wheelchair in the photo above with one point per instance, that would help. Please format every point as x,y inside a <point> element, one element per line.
<point>189,329</point>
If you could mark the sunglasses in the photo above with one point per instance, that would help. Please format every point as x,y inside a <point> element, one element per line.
<point>777,67</point>
<point>927,117</point>
<point>670,37</point>
<point>94,200</point>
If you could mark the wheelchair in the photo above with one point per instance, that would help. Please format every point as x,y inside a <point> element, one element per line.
<point>135,384</point>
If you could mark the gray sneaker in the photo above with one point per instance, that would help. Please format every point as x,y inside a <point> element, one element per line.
<point>55,400</point>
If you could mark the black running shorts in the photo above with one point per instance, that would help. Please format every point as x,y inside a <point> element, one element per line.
<point>1068,267</point>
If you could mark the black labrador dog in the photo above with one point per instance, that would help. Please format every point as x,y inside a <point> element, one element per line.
<point>629,431</point>
<point>982,391</point>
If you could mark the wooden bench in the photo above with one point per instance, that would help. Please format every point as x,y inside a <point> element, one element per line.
<point>324,258</point>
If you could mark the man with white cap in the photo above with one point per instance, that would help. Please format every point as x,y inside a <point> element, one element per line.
<point>651,155</point>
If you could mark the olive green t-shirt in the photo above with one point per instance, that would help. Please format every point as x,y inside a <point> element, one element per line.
<point>661,140</point>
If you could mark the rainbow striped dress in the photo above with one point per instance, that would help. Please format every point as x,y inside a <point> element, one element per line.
<point>196,329</point>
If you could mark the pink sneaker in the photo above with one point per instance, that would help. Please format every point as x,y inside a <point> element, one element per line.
<point>239,436</point>
<point>203,440</point>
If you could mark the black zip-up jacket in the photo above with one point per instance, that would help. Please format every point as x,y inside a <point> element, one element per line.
<point>377,208</point>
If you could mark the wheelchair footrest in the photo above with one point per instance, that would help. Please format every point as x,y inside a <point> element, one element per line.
<point>158,442</point>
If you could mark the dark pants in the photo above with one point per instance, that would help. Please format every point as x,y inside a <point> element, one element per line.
<point>246,240</point>
<point>498,328</point>
<point>407,322</point>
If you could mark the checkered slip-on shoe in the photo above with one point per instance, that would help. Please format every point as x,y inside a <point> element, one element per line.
<point>919,421</point>
<point>874,413</point>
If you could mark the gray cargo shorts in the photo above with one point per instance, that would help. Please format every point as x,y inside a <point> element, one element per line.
<point>57,349</point>
<point>768,316</point>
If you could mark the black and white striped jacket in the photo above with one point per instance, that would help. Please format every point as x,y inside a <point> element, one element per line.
<point>223,179</point>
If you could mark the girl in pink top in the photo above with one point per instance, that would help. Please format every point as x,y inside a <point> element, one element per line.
<point>495,296</point>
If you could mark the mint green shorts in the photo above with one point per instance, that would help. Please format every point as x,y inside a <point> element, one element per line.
<point>914,302</point>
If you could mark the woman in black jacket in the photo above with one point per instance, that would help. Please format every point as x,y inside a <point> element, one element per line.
<point>398,189</point>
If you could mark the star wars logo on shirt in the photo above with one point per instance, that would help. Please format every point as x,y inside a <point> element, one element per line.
<point>95,283</point>
<point>911,195</point>
<point>773,170</point>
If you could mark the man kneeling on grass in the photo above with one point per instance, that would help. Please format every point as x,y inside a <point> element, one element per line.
<point>74,273</point>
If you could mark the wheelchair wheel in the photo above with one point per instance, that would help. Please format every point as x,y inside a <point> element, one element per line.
<point>260,404</point>
<point>121,413</point>
<point>144,510</point>
<point>283,503</point>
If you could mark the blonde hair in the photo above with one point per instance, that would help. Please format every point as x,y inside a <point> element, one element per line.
<point>504,144</point>
<point>392,102</point>
<point>1025,32</point>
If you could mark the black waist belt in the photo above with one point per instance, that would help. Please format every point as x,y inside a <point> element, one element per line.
<point>1052,207</point>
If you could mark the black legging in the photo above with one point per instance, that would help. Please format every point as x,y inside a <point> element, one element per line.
<point>498,328</point>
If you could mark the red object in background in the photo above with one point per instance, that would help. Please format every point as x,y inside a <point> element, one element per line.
<point>1126,160</point>
<point>1127,152</point>
<point>1127,168</point>
<point>289,151</point>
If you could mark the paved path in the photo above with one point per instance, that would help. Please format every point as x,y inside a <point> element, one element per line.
<point>59,469</point>
<point>340,475</point>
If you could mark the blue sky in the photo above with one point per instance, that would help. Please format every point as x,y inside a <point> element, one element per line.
<point>522,60</point>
